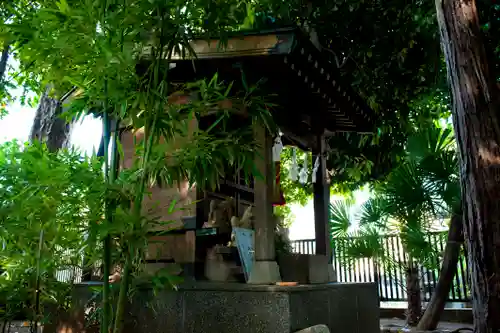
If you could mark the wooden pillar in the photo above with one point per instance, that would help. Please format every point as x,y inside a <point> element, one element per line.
<point>265,269</point>
<point>321,190</point>
<point>263,187</point>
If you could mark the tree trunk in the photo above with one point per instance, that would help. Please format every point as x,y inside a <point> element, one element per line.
<point>3,62</point>
<point>414,310</point>
<point>477,131</point>
<point>376,276</point>
<point>48,126</point>
<point>435,308</point>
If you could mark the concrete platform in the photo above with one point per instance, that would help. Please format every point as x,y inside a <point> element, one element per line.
<point>208,307</point>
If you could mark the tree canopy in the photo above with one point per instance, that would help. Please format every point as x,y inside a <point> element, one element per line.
<point>388,51</point>
<point>393,69</point>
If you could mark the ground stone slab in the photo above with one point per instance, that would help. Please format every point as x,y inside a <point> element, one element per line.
<point>396,325</point>
<point>315,329</point>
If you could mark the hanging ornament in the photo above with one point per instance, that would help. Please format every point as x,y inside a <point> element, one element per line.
<point>294,169</point>
<point>303,172</point>
<point>277,148</point>
<point>315,169</point>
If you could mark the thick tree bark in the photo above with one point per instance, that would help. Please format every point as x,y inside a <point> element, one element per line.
<point>48,126</point>
<point>414,310</point>
<point>475,117</point>
<point>435,308</point>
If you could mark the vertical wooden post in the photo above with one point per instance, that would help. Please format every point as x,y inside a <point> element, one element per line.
<point>263,212</point>
<point>265,269</point>
<point>321,190</point>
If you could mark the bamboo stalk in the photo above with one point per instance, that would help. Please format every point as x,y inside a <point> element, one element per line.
<point>136,211</point>
<point>122,298</point>
<point>148,143</point>
<point>106,310</point>
<point>37,282</point>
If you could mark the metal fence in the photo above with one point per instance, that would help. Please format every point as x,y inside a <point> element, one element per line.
<point>389,273</point>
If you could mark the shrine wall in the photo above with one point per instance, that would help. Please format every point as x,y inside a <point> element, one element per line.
<point>157,203</point>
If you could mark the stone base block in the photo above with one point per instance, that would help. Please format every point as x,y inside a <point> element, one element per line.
<point>306,268</point>
<point>264,272</point>
<point>211,307</point>
<point>318,269</point>
<point>332,275</point>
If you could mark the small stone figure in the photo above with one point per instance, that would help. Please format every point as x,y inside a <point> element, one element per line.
<point>245,222</point>
<point>116,275</point>
<point>215,267</point>
<point>220,214</point>
<point>211,215</point>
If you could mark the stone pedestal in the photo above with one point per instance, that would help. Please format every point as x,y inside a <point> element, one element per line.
<point>264,272</point>
<point>306,268</point>
<point>243,308</point>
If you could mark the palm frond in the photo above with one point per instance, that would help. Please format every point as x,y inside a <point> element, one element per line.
<point>430,141</point>
<point>434,150</point>
<point>419,246</point>
<point>406,191</point>
<point>373,212</point>
<point>340,218</point>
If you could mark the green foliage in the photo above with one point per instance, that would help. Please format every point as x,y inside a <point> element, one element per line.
<point>295,193</point>
<point>50,198</point>
<point>367,245</point>
<point>375,61</point>
<point>398,71</point>
<point>82,43</point>
<point>285,214</point>
<point>390,67</point>
<point>489,17</point>
<point>117,56</point>
<point>281,241</point>
<point>419,191</point>
<point>439,164</point>
<point>340,218</point>
<point>373,215</point>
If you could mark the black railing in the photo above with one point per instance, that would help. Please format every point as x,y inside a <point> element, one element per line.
<point>389,272</point>
<point>305,246</point>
